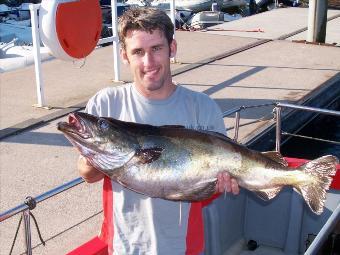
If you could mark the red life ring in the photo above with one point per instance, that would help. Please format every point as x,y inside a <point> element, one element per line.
<point>70,28</point>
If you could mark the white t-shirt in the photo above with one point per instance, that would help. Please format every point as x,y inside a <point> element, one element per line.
<point>144,225</point>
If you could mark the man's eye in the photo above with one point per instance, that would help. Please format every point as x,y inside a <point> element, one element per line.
<point>137,52</point>
<point>157,48</point>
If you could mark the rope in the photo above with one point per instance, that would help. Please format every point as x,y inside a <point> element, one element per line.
<point>192,29</point>
<point>180,214</point>
<point>259,30</point>
<point>311,138</point>
<point>15,236</point>
<point>38,230</point>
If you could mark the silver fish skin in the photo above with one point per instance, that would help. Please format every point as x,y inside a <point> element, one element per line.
<point>179,164</point>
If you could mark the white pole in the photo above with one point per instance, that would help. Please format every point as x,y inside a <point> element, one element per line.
<point>115,43</point>
<point>36,51</point>
<point>172,13</point>
<point>173,19</point>
<point>311,20</point>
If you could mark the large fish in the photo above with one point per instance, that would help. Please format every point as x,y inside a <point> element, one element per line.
<point>179,164</point>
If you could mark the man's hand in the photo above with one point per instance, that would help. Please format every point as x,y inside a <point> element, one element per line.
<point>226,184</point>
<point>88,172</point>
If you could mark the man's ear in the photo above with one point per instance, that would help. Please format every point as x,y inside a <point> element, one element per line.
<point>173,48</point>
<point>123,56</point>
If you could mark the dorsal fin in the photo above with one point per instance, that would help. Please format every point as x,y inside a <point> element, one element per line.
<point>276,156</point>
<point>133,127</point>
<point>214,133</point>
<point>171,130</point>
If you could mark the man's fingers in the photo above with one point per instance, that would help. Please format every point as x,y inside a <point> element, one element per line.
<point>223,183</point>
<point>227,182</point>
<point>219,182</point>
<point>234,187</point>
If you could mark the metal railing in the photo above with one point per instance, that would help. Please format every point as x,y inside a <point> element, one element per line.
<point>237,112</point>
<point>277,117</point>
<point>31,203</point>
<point>278,110</point>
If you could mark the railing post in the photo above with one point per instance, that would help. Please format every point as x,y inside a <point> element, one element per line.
<point>173,19</point>
<point>27,223</point>
<point>237,125</point>
<point>36,51</point>
<point>115,42</point>
<point>278,128</point>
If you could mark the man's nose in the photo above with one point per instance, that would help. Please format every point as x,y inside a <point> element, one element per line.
<point>149,59</point>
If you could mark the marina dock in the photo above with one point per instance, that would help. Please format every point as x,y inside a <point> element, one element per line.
<point>233,66</point>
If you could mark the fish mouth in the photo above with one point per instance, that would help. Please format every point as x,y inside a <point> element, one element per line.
<point>75,127</point>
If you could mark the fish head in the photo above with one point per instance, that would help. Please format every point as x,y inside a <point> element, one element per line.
<point>102,141</point>
<point>85,132</point>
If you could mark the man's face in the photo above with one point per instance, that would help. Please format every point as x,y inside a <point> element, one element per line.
<point>149,58</point>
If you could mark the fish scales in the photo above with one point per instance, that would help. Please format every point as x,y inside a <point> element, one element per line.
<point>179,164</point>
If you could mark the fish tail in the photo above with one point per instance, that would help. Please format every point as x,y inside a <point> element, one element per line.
<point>321,170</point>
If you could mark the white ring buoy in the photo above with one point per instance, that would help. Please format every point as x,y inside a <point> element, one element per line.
<point>70,29</point>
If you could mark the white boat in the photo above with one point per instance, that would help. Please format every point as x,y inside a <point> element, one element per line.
<point>206,19</point>
<point>16,49</point>
<point>193,5</point>
<point>18,54</point>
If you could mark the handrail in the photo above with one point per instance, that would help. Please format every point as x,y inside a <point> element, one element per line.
<point>308,108</point>
<point>237,111</point>
<point>244,107</point>
<point>278,109</point>
<point>23,207</point>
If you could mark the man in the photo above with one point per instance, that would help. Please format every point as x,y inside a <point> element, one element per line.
<point>144,225</point>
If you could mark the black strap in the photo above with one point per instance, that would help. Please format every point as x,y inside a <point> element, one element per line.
<point>16,235</point>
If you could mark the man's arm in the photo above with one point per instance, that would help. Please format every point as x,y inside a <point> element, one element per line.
<point>88,172</point>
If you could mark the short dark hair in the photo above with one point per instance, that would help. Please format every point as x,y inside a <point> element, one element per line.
<point>144,19</point>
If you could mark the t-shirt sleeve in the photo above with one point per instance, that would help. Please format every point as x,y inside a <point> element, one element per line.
<point>217,119</point>
<point>98,104</point>
<point>91,107</point>
<point>212,115</point>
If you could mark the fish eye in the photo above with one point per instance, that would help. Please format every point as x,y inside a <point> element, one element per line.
<point>103,125</point>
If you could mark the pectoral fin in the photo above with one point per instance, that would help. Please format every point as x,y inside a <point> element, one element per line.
<point>267,194</point>
<point>149,155</point>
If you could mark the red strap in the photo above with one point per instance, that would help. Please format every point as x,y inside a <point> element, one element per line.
<point>106,234</point>
<point>195,232</point>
